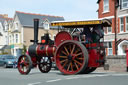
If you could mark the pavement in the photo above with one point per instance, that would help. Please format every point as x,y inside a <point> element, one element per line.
<point>112,69</point>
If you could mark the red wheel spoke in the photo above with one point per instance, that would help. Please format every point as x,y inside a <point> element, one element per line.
<point>63,56</point>
<point>26,63</point>
<point>73,49</point>
<point>80,58</point>
<point>78,62</point>
<point>66,50</point>
<point>71,66</point>
<point>65,63</point>
<point>79,54</point>
<point>63,60</point>
<point>68,67</point>
<point>76,51</point>
<point>76,66</point>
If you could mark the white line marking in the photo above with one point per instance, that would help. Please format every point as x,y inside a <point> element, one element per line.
<point>120,75</point>
<point>36,83</point>
<point>53,80</point>
<point>72,77</point>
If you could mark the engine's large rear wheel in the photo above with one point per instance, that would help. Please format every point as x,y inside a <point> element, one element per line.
<point>71,57</point>
<point>88,70</point>
<point>24,64</point>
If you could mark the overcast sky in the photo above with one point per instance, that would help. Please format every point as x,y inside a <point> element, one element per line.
<point>69,9</point>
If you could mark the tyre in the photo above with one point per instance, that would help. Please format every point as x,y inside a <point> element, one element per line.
<point>45,64</point>
<point>71,57</point>
<point>24,64</point>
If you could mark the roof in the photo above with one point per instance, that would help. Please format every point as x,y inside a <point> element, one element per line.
<point>26,19</point>
<point>69,24</point>
<point>3,19</point>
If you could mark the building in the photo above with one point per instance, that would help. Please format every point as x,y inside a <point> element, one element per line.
<point>106,11</point>
<point>4,26</point>
<point>21,30</point>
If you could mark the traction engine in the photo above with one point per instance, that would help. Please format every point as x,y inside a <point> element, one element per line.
<point>71,53</point>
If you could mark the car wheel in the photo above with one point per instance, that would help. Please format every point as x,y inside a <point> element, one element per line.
<point>5,65</point>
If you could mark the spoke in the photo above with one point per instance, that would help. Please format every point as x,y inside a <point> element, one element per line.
<point>73,49</point>
<point>26,63</point>
<point>79,54</point>
<point>78,62</point>
<point>65,63</point>
<point>23,69</point>
<point>69,67</point>
<point>66,50</point>
<point>63,60</point>
<point>64,53</point>
<point>80,58</point>
<point>76,51</point>
<point>63,56</point>
<point>76,66</point>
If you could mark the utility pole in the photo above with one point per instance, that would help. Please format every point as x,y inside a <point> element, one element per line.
<point>115,27</point>
<point>116,2</point>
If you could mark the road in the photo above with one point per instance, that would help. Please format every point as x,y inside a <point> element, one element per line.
<point>12,77</point>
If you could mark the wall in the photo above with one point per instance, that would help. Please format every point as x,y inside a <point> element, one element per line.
<point>117,62</point>
<point>111,9</point>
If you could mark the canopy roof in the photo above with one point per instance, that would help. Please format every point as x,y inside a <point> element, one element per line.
<point>71,24</point>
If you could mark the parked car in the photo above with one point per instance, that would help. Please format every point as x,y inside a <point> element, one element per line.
<point>7,61</point>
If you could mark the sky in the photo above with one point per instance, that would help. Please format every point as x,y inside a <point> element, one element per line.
<point>69,9</point>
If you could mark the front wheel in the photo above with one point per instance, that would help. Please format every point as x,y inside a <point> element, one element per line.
<point>24,64</point>
<point>5,65</point>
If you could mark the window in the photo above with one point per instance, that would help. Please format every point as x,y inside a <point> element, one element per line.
<point>10,41</point>
<point>13,38</point>
<point>46,25</point>
<point>121,24</point>
<point>124,3</point>
<point>127,24</point>
<point>109,30</point>
<point>106,5</point>
<point>110,48</point>
<point>6,38</point>
<point>16,25</point>
<point>16,38</point>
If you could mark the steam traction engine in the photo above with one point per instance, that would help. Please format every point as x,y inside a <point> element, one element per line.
<point>79,49</point>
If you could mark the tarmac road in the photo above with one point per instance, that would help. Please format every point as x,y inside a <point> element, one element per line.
<point>13,77</point>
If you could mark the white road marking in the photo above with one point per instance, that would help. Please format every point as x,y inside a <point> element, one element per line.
<point>120,75</point>
<point>36,83</point>
<point>72,78</point>
<point>53,80</point>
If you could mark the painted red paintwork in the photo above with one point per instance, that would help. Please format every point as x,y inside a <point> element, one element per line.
<point>45,50</point>
<point>62,36</point>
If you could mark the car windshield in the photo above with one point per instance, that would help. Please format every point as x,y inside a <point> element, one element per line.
<point>9,57</point>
